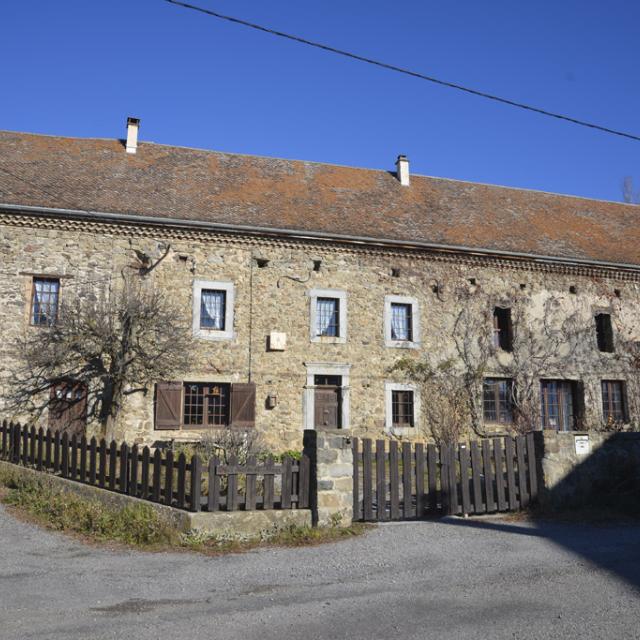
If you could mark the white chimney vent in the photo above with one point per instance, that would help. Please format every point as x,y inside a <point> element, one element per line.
<point>402,166</point>
<point>133,125</point>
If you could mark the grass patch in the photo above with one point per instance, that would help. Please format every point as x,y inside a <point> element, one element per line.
<point>63,511</point>
<point>139,526</point>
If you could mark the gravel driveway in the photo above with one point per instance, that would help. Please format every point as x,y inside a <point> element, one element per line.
<point>447,579</point>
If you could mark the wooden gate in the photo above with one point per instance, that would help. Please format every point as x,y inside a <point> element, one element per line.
<point>411,480</point>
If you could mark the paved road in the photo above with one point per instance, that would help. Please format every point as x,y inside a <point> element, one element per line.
<point>448,579</point>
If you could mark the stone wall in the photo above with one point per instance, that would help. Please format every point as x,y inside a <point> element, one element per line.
<point>332,471</point>
<point>588,469</point>
<point>89,256</point>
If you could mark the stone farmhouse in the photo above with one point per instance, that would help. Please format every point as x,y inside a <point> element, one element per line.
<point>305,283</point>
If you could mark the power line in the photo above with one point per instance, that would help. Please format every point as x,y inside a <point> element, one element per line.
<point>408,72</point>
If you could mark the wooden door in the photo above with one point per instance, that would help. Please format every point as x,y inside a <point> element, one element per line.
<point>327,402</point>
<point>68,408</point>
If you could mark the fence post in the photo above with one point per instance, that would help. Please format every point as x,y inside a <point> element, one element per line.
<point>16,444</point>
<point>331,475</point>
<point>196,481</point>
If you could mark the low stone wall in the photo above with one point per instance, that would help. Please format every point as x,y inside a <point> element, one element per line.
<point>580,469</point>
<point>240,525</point>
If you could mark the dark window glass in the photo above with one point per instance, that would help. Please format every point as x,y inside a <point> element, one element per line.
<point>604,332</point>
<point>212,309</point>
<point>401,322</point>
<point>402,408</point>
<point>502,330</point>
<point>44,303</point>
<point>613,401</point>
<point>498,400</point>
<point>206,405</point>
<point>328,317</point>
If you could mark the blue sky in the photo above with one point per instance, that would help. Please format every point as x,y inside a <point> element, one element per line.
<point>78,68</point>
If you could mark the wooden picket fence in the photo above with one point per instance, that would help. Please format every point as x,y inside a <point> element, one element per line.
<point>160,476</point>
<point>411,480</point>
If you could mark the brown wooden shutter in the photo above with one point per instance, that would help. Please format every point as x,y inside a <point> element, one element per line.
<point>243,405</point>
<point>168,405</point>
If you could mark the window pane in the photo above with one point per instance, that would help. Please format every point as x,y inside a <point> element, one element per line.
<point>217,405</point>
<point>401,322</point>
<point>45,301</point>
<point>613,401</point>
<point>193,404</point>
<point>557,404</point>
<point>327,317</point>
<point>497,400</point>
<point>206,404</point>
<point>212,309</point>
<point>402,408</point>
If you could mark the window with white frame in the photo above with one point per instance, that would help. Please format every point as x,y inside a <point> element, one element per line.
<point>328,315</point>
<point>401,322</point>
<point>402,407</point>
<point>213,309</point>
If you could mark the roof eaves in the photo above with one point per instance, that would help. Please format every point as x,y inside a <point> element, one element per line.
<point>310,235</point>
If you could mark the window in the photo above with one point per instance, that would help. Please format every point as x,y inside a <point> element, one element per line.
<point>328,315</point>
<point>202,405</point>
<point>604,332</point>
<point>401,325</point>
<point>213,303</point>
<point>559,404</point>
<point>44,301</point>
<point>206,405</point>
<point>401,322</point>
<point>502,329</point>
<point>497,398</point>
<point>614,401</point>
<point>402,408</point>
<point>212,309</point>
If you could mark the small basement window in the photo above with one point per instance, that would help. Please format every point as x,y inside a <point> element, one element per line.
<point>604,332</point>
<point>502,329</point>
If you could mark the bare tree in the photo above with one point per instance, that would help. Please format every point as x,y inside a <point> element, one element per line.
<point>111,345</point>
<point>446,410</point>
<point>544,345</point>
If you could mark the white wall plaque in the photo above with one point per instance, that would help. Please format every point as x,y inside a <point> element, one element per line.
<point>277,341</point>
<point>582,445</point>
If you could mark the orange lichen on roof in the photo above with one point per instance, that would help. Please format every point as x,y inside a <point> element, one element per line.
<point>209,186</point>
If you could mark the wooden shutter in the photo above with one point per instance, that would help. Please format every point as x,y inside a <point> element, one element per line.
<point>168,405</point>
<point>243,405</point>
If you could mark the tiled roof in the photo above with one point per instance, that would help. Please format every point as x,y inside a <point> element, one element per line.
<point>210,186</point>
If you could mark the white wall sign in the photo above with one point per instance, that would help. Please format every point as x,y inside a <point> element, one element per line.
<point>582,445</point>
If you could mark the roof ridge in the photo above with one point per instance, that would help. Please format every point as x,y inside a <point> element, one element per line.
<point>332,164</point>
